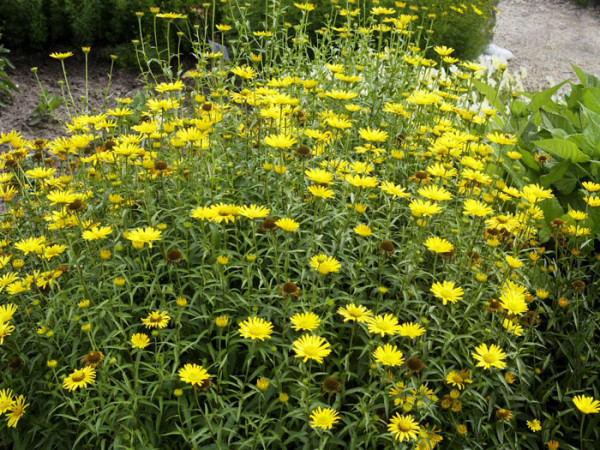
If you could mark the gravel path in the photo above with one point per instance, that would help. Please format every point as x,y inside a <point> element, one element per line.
<point>546,35</point>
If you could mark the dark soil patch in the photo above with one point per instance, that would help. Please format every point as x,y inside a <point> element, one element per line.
<point>18,113</point>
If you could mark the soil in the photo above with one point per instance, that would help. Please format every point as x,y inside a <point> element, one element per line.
<point>18,113</point>
<point>544,35</point>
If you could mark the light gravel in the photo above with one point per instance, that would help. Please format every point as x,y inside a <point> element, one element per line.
<point>546,36</point>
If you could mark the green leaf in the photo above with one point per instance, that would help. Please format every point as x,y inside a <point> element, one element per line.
<point>591,99</point>
<point>542,98</point>
<point>590,138</point>
<point>556,173</point>
<point>566,185</point>
<point>552,121</point>
<point>587,79</point>
<point>563,148</point>
<point>518,108</point>
<point>551,208</point>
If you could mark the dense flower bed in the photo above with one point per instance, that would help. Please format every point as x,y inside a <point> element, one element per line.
<point>292,253</point>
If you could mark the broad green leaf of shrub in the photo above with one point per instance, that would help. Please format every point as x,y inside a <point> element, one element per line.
<point>556,173</point>
<point>552,209</point>
<point>587,79</point>
<point>543,98</point>
<point>591,99</point>
<point>563,148</point>
<point>590,138</point>
<point>552,121</point>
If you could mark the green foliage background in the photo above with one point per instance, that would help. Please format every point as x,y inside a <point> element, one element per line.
<point>39,24</point>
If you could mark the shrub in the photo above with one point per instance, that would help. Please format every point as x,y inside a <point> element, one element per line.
<point>35,24</point>
<point>41,23</point>
<point>7,87</point>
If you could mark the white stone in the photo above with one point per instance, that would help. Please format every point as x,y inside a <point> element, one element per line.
<point>495,50</point>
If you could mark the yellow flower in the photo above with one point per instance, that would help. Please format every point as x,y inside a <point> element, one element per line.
<point>435,193</point>
<point>222,321</point>
<point>6,312</point>
<point>287,225</point>
<point>140,340</point>
<point>338,94</point>
<point>193,374</point>
<point>383,324</point>
<point>305,7</point>
<point>262,384</point>
<point>96,233</point>
<point>325,264</point>
<point>373,135</point>
<point>361,181</point>
<point>305,321</point>
<point>80,378</point>
<point>338,123</point>
<point>256,328</point>
<point>590,186</point>
<point>40,173</point>
<point>50,251</point>
<point>420,208</point>
<point>513,298</point>
<point>423,97</point>
<point>577,215</point>
<point>489,357</point>
<point>323,418</point>
<point>171,16</point>
<point>6,400</point>
<point>311,347</point>
<point>388,355</point>
<point>141,236</point>
<point>476,208</point>
<point>5,330</point>
<point>410,330</point>
<point>512,327</point>
<point>17,411</point>
<point>244,72</point>
<point>394,190</point>
<point>280,140</point>
<point>253,212</point>
<point>321,191</point>
<point>446,292</point>
<point>458,379</point>
<point>156,319</point>
<point>403,427</point>
<point>61,56</point>
<point>222,260</point>
<point>593,202</point>
<point>443,50</point>
<point>31,245</point>
<point>438,245</point>
<point>169,87</point>
<point>355,313</point>
<point>319,176</point>
<point>513,263</point>
<point>502,139</point>
<point>222,212</point>
<point>534,192</point>
<point>363,230</point>
<point>587,405</point>
<point>222,27</point>
<point>534,425</point>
